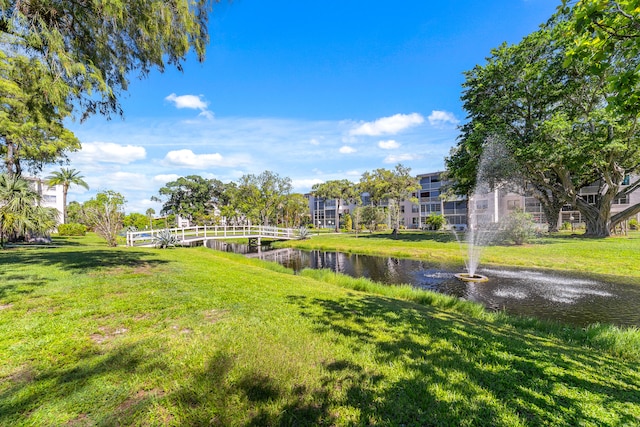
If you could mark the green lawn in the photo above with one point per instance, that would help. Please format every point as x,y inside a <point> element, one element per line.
<point>91,335</point>
<point>615,256</point>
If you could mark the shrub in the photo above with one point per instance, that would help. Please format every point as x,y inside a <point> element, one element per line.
<point>435,222</point>
<point>72,229</point>
<point>518,227</point>
<point>165,239</point>
<point>347,222</point>
<point>303,233</point>
<point>633,224</point>
<point>566,226</point>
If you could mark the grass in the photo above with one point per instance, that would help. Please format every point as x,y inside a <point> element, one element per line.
<point>615,256</point>
<point>91,335</point>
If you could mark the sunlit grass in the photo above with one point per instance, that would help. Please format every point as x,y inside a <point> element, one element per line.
<point>91,335</point>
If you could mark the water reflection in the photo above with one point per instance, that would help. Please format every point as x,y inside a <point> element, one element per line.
<point>573,299</point>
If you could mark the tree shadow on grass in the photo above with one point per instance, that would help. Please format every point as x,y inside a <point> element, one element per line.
<point>83,389</point>
<point>218,397</point>
<point>19,284</point>
<point>460,371</point>
<point>80,261</point>
<point>413,365</point>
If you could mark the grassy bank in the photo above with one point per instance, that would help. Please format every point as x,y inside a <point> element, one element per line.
<point>617,256</point>
<point>91,335</point>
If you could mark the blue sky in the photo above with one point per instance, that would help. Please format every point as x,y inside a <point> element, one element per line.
<point>310,90</point>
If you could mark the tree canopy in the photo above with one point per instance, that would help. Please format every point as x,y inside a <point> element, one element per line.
<point>553,118</point>
<point>605,35</point>
<point>33,105</point>
<point>64,56</point>
<point>94,46</point>
<point>395,186</point>
<point>260,197</point>
<point>338,190</point>
<point>191,197</point>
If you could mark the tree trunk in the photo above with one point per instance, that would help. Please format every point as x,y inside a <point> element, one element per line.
<point>551,208</point>
<point>10,159</point>
<point>597,217</point>
<point>597,226</point>
<point>551,202</point>
<point>65,189</point>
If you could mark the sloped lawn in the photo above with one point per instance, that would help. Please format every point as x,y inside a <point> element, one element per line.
<point>91,335</point>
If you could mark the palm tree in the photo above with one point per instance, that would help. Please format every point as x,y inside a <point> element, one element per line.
<point>20,212</point>
<point>66,177</point>
<point>150,213</point>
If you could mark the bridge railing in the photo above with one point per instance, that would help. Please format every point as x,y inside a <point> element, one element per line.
<point>206,232</point>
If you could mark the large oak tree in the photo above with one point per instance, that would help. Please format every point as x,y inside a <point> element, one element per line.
<point>553,117</point>
<point>192,197</point>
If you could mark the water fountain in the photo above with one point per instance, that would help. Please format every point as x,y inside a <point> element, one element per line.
<point>483,207</point>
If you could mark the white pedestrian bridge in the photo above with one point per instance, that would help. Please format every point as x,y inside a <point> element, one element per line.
<point>201,233</point>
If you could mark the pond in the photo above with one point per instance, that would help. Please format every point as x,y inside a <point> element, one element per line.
<point>568,298</point>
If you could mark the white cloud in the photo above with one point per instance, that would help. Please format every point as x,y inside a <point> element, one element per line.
<point>128,180</point>
<point>314,141</point>
<point>188,159</point>
<point>192,102</point>
<point>108,152</point>
<point>441,118</point>
<point>304,185</point>
<point>187,101</point>
<point>164,178</point>
<point>388,145</point>
<point>396,158</point>
<point>230,147</point>
<point>347,150</point>
<point>388,125</point>
<point>206,114</point>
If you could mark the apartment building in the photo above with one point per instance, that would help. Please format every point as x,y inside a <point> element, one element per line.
<point>431,201</point>
<point>324,213</point>
<point>491,207</point>
<point>51,197</point>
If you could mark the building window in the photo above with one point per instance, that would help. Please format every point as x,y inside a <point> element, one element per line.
<point>48,198</point>
<point>624,200</point>
<point>513,205</point>
<point>482,205</point>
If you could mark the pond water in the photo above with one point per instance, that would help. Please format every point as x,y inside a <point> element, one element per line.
<point>568,298</point>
